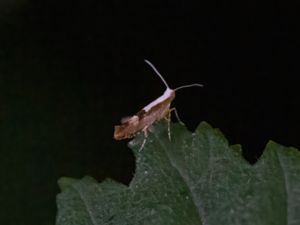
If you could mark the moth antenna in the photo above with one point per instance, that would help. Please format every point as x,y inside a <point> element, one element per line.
<point>157,72</point>
<point>188,85</point>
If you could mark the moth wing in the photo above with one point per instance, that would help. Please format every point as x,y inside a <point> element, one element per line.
<point>130,119</point>
<point>133,120</point>
<point>125,119</point>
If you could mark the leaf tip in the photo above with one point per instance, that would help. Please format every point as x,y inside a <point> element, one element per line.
<point>65,182</point>
<point>274,145</point>
<point>204,126</point>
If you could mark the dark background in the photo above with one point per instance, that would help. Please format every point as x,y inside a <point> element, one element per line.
<point>70,70</point>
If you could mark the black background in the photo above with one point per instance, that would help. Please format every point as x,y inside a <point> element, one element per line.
<point>70,70</point>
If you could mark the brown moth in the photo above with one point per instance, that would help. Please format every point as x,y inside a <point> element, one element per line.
<point>154,111</point>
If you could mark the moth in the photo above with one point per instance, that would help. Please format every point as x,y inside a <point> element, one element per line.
<point>154,111</point>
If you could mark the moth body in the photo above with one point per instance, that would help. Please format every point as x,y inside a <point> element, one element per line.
<point>154,111</point>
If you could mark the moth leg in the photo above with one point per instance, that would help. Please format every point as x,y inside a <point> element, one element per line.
<point>151,129</point>
<point>145,131</point>
<point>143,144</point>
<point>176,114</point>
<point>168,118</point>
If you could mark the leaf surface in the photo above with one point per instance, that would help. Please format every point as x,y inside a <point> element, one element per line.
<point>196,178</point>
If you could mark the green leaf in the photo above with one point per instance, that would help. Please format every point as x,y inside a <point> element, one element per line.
<point>196,178</point>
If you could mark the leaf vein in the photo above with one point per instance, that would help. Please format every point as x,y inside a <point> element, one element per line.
<point>180,174</point>
<point>85,203</point>
<point>285,186</point>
